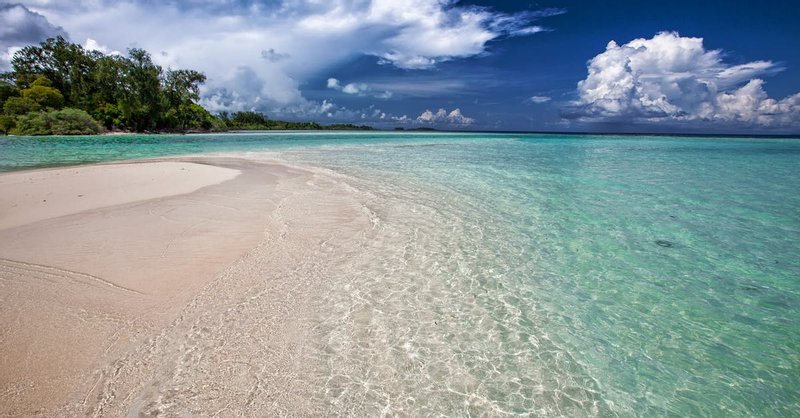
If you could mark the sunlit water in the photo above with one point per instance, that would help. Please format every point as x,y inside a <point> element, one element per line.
<point>544,274</point>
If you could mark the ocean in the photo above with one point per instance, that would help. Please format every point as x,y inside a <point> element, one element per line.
<point>541,274</point>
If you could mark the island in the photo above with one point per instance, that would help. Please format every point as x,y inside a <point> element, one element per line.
<point>61,88</point>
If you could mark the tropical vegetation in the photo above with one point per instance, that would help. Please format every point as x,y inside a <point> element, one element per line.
<point>60,88</point>
<point>248,120</point>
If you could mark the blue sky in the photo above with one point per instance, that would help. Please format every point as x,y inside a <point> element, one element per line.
<point>678,66</point>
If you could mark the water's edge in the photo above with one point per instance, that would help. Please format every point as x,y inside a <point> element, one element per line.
<point>545,274</point>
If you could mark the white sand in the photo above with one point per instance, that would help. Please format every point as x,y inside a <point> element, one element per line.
<point>119,294</point>
<point>31,196</point>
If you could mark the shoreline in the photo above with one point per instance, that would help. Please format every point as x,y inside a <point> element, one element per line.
<point>388,278</point>
<point>374,131</point>
<point>90,285</point>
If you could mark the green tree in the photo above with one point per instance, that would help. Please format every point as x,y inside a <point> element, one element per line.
<point>41,93</point>
<point>183,86</point>
<point>19,106</point>
<point>109,116</point>
<point>107,78</point>
<point>181,91</point>
<point>7,123</point>
<point>249,120</point>
<point>67,65</point>
<point>130,92</point>
<point>140,101</point>
<point>7,90</point>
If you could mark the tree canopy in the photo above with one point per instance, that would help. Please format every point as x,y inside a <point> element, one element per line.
<point>60,88</point>
<point>120,92</point>
<point>250,120</point>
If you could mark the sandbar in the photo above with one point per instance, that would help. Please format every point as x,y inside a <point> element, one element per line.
<point>107,273</point>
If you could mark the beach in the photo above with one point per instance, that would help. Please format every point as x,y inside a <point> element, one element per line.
<point>108,269</point>
<point>428,208</point>
<point>412,274</point>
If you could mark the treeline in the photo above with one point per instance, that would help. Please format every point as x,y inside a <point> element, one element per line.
<point>259,121</point>
<point>60,88</point>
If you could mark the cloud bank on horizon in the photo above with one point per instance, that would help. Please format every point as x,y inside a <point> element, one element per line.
<point>670,78</point>
<point>454,117</point>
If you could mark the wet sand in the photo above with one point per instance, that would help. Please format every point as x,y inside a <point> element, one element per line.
<point>178,286</point>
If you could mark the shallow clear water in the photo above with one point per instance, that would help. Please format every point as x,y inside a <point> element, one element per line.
<point>572,275</point>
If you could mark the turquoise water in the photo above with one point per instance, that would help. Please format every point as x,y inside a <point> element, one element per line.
<point>544,274</point>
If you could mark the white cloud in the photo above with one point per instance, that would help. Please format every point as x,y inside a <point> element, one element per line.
<point>361,89</point>
<point>334,84</point>
<point>282,44</point>
<point>257,54</point>
<point>674,78</point>
<point>6,55</point>
<point>355,88</point>
<point>350,88</point>
<point>418,34</point>
<point>750,104</point>
<point>529,30</point>
<point>539,99</point>
<point>441,116</point>
<point>92,45</point>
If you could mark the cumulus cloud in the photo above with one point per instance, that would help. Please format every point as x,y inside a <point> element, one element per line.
<point>92,45</point>
<point>281,43</point>
<point>20,26</point>
<point>334,84</point>
<point>246,89</point>
<point>250,92</point>
<point>351,88</point>
<point>418,34</point>
<point>360,89</point>
<point>441,116</point>
<point>539,99</point>
<point>355,88</point>
<point>273,47</point>
<point>674,78</point>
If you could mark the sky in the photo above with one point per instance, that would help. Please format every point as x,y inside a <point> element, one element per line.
<point>706,66</point>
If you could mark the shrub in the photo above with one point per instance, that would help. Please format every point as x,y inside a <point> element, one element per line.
<point>74,122</point>
<point>20,106</point>
<point>33,123</point>
<point>58,122</point>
